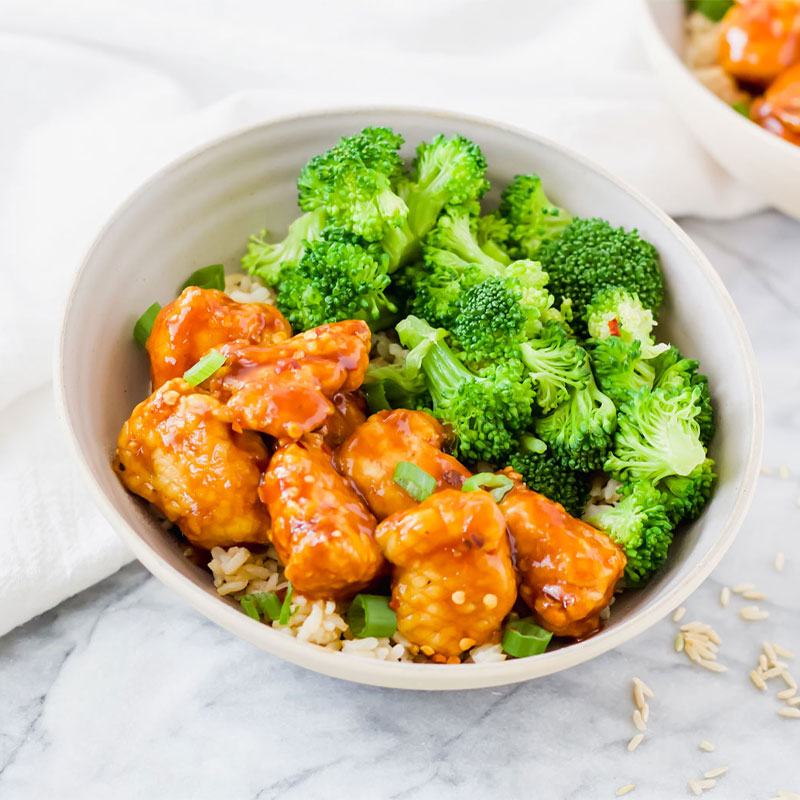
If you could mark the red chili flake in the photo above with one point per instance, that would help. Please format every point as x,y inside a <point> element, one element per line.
<point>613,326</point>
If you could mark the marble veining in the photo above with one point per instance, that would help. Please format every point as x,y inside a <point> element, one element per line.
<point>125,692</point>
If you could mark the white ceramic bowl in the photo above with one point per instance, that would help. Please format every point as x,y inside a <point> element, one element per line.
<point>759,159</point>
<point>201,210</point>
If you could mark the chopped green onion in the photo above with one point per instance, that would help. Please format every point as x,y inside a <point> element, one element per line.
<point>204,368</point>
<point>414,480</point>
<point>268,604</point>
<point>248,603</point>
<point>212,277</point>
<point>525,638</point>
<point>714,10</point>
<point>286,607</point>
<point>498,486</point>
<point>742,108</point>
<point>371,615</point>
<point>143,325</point>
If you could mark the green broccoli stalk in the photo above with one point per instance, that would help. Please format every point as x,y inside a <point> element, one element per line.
<point>640,526</point>
<point>674,372</point>
<point>619,367</point>
<point>446,173</point>
<point>556,364</point>
<point>616,312</point>
<point>532,218</point>
<point>354,183</point>
<point>547,475</point>
<point>579,431</point>
<point>486,411</point>
<point>266,260</point>
<point>590,255</point>
<point>685,496</point>
<point>338,277</point>
<point>657,436</point>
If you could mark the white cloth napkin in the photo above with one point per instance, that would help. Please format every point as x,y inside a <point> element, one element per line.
<point>97,94</point>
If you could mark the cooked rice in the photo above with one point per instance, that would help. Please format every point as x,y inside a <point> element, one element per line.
<point>702,40</point>
<point>244,288</point>
<point>386,349</point>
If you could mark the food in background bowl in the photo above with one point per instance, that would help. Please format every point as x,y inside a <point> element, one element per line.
<point>514,384</point>
<point>748,54</point>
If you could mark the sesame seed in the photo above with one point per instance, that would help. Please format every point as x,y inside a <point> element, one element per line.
<point>458,598</point>
<point>635,742</point>
<point>716,772</point>
<point>707,746</point>
<point>628,787</point>
<point>724,596</point>
<point>679,614</point>
<point>490,600</point>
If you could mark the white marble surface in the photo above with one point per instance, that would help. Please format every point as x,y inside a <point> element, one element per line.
<point>124,692</point>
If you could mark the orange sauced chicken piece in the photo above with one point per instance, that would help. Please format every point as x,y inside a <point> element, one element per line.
<point>453,579</point>
<point>284,389</point>
<point>321,529</point>
<point>372,452</point>
<point>759,39</point>
<point>179,451</point>
<point>348,413</point>
<point>779,109</point>
<point>569,569</point>
<point>201,319</point>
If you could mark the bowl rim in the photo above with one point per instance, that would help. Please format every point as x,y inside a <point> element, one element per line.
<point>407,675</point>
<point>653,32</point>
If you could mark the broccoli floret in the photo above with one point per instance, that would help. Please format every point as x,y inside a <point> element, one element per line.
<point>617,312</point>
<point>399,385</point>
<point>489,321</point>
<point>674,372</point>
<point>446,173</point>
<point>338,277</point>
<point>266,259</point>
<point>536,300</point>
<point>619,367</point>
<point>487,411</point>
<point>579,431</point>
<point>591,254</point>
<point>456,234</point>
<point>547,475</point>
<point>657,436</point>
<point>492,233</point>
<point>640,526</point>
<point>532,218</point>
<point>556,364</point>
<point>685,497</point>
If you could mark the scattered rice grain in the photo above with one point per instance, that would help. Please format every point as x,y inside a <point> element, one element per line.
<point>754,595</point>
<point>788,679</point>
<point>709,783</point>
<point>635,742</point>
<point>782,651</point>
<point>724,596</point>
<point>646,690</point>
<point>628,787</point>
<point>780,561</point>
<point>770,653</point>
<point>794,701</point>
<point>783,471</point>
<point>787,694</point>
<point>716,772</point>
<point>743,587</point>
<point>646,712</point>
<point>769,674</point>
<point>695,787</point>
<point>763,666</point>
<point>707,746</point>
<point>679,614</point>
<point>765,470</point>
<point>758,681</point>
<point>679,642</point>
<point>753,613</point>
<point>638,720</point>
<point>790,711</point>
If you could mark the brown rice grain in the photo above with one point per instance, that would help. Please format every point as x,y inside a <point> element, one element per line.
<point>635,742</point>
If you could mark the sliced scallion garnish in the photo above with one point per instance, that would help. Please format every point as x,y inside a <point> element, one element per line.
<point>371,615</point>
<point>211,277</point>
<point>204,368</point>
<point>497,485</point>
<point>525,638</point>
<point>286,608</point>
<point>268,604</point>
<point>418,483</point>
<point>143,325</point>
<point>248,604</point>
